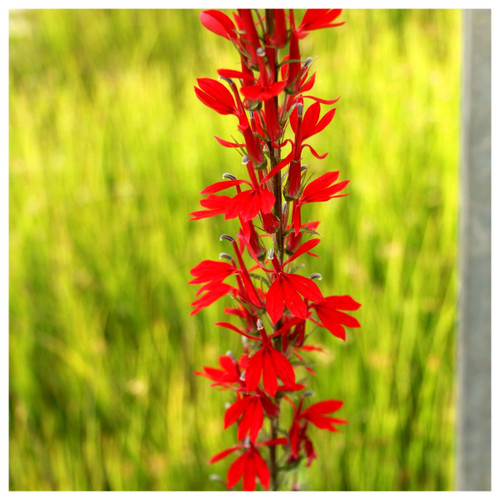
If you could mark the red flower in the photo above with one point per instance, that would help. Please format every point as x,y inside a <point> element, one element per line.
<point>315,19</point>
<point>316,415</point>
<point>250,465</point>
<point>214,95</point>
<point>322,189</point>
<point>251,409</point>
<point>287,288</point>
<point>269,364</point>
<point>328,311</point>
<point>219,23</point>
<point>230,375</point>
<point>213,294</point>
<point>214,204</point>
<point>211,272</point>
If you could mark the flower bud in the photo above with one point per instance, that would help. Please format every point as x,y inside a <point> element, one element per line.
<point>315,276</point>
<point>227,80</point>
<point>231,355</point>
<point>307,62</point>
<point>300,109</point>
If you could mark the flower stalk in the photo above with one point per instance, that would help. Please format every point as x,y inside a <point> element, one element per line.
<point>274,305</point>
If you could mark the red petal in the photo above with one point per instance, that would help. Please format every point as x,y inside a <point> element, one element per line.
<point>343,302</point>
<point>217,91</point>
<point>236,470</point>
<point>322,182</point>
<point>324,122</point>
<point>274,300</point>
<point>310,119</point>
<point>221,185</point>
<point>323,407</point>
<point>228,144</point>
<point>224,453</point>
<point>235,410</point>
<point>305,247</point>
<point>249,474</point>
<point>284,368</point>
<point>262,470</point>
<point>305,287</point>
<point>269,379</point>
<point>254,371</point>
<point>219,23</point>
<point>292,299</point>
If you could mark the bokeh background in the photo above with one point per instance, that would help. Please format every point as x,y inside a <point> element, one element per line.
<point>109,149</point>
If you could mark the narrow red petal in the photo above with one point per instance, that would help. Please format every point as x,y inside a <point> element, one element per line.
<point>274,301</point>
<point>254,371</point>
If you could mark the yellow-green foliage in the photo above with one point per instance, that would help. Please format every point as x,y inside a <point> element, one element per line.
<point>109,149</point>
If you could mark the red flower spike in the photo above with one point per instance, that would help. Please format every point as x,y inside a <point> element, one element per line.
<point>265,93</point>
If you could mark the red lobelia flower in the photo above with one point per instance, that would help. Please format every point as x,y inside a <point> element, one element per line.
<point>251,409</point>
<point>315,415</point>
<point>287,288</point>
<point>269,364</point>
<point>250,465</point>
<point>230,375</point>
<point>329,312</point>
<point>322,189</point>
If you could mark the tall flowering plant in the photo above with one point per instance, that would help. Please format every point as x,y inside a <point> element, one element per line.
<point>273,304</point>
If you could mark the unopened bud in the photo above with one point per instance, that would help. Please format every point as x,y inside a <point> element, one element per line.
<point>230,177</point>
<point>260,326</point>
<point>231,355</point>
<point>261,52</point>
<point>245,160</point>
<point>227,80</point>
<point>224,255</point>
<point>315,276</point>
<point>307,62</point>
<point>300,109</point>
<point>226,237</point>
<point>271,253</point>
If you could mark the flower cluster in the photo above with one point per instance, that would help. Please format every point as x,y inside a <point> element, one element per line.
<point>272,302</point>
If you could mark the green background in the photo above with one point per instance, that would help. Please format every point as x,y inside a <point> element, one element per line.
<point>109,149</point>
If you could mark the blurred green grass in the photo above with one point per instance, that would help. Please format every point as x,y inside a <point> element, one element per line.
<point>109,149</point>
